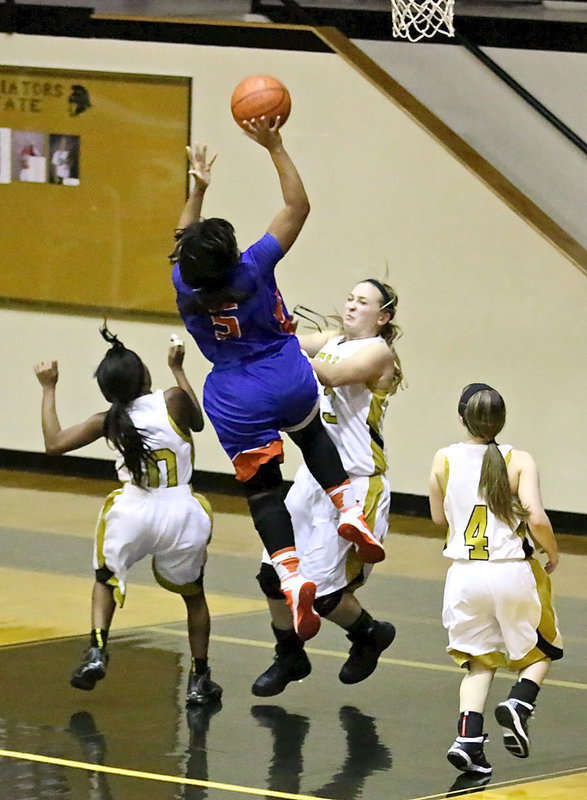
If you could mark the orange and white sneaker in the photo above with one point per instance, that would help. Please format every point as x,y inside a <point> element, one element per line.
<point>352,526</point>
<point>299,595</point>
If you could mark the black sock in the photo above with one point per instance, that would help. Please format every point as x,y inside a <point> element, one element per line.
<point>361,627</point>
<point>525,690</point>
<point>287,640</point>
<point>99,637</point>
<point>200,665</point>
<point>470,724</point>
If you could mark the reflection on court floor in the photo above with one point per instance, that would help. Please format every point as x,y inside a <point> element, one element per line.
<point>133,738</point>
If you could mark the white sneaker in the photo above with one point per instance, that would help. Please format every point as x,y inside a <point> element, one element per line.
<point>352,526</point>
<point>299,595</point>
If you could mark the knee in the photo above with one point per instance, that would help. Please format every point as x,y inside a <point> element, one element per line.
<point>269,582</point>
<point>326,604</point>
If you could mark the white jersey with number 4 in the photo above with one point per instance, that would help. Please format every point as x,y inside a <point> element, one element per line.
<point>475,534</point>
<point>171,449</point>
<point>353,414</point>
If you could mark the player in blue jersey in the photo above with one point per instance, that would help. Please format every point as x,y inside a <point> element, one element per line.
<point>261,382</point>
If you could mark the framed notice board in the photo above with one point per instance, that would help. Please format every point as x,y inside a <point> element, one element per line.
<point>92,180</point>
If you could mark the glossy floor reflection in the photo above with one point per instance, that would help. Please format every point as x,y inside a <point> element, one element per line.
<point>133,738</point>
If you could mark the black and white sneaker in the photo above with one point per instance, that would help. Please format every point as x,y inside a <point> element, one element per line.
<point>91,670</point>
<point>202,689</point>
<point>513,716</point>
<point>467,754</point>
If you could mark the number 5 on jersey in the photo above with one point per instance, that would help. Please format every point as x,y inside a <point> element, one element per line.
<point>226,326</point>
<point>475,538</point>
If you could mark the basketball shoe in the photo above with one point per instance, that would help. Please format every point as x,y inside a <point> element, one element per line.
<point>365,651</point>
<point>289,664</point>
<point>299,595</point>
<point>352,526</point>
<point>91,670</point>
<point>467,754</point>
<point>513,716</point>
<point>202,689</point>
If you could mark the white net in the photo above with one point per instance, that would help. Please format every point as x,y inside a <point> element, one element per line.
<point>420,19</point>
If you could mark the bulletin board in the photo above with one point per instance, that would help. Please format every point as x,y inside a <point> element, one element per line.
<point>93,176</point>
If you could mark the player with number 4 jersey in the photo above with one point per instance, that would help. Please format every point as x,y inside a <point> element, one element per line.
<point>497,605</point>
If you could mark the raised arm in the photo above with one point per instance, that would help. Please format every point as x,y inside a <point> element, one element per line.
<point>57,439</point>
<point>531,499</point>
<point>290,220</point>
<point>200,168</point>
<point>181,401</point>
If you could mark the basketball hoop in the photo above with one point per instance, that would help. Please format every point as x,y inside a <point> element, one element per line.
<point>420,19</point>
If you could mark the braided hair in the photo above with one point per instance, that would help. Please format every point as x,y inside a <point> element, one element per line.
<point>208,255</point>
<point>122,376</point>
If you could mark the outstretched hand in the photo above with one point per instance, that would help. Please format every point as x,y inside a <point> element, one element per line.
<point>200,168</point>
<point>175,356</point>
<point>47,373</point>
<point>264,131</point>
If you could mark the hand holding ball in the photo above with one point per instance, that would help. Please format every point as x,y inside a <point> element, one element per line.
<point>260,96</point>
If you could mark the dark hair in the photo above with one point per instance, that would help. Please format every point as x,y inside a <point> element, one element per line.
<point>483,412</point>
<point>207,254</point>
<point>121,376</point>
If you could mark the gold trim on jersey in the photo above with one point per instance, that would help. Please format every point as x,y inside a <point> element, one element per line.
<point>119,596</point>
<point>177,429</point>
<point>547,630</point>
<point>354,566</point>
<point>187,438</point>
<point>377,408</point>
<point>207,506</point>
<point>187,589</point>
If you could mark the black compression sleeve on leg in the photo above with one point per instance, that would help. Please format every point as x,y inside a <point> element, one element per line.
<point>272,521</point>
<point>320,454</point>
<point>271,518</point>
<point>269,582</point>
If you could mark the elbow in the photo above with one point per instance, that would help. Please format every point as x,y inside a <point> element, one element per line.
<point>53,450</point>
<point>302,209</point>
<point>538,521</point>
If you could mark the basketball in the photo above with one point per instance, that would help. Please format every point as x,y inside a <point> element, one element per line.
<point>260,95</point>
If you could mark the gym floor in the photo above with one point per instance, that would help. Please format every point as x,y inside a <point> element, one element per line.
<point>383,739</point>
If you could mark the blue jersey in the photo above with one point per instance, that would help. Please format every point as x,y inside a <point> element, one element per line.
<point>256,327</point>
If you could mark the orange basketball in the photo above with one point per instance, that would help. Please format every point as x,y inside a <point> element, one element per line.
<point>260,95</point>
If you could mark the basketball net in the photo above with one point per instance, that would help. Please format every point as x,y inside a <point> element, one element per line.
<point>420,19</point>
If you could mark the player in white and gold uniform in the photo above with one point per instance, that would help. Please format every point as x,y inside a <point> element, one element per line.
<point>155,512</point>
<point>358,369</point>
<point>497,607</point>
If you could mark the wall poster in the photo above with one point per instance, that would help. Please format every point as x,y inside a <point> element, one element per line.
<point>92,179</point>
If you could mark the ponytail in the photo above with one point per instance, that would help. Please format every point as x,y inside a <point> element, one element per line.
<point>122,377</point>
<point>483,412</point>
